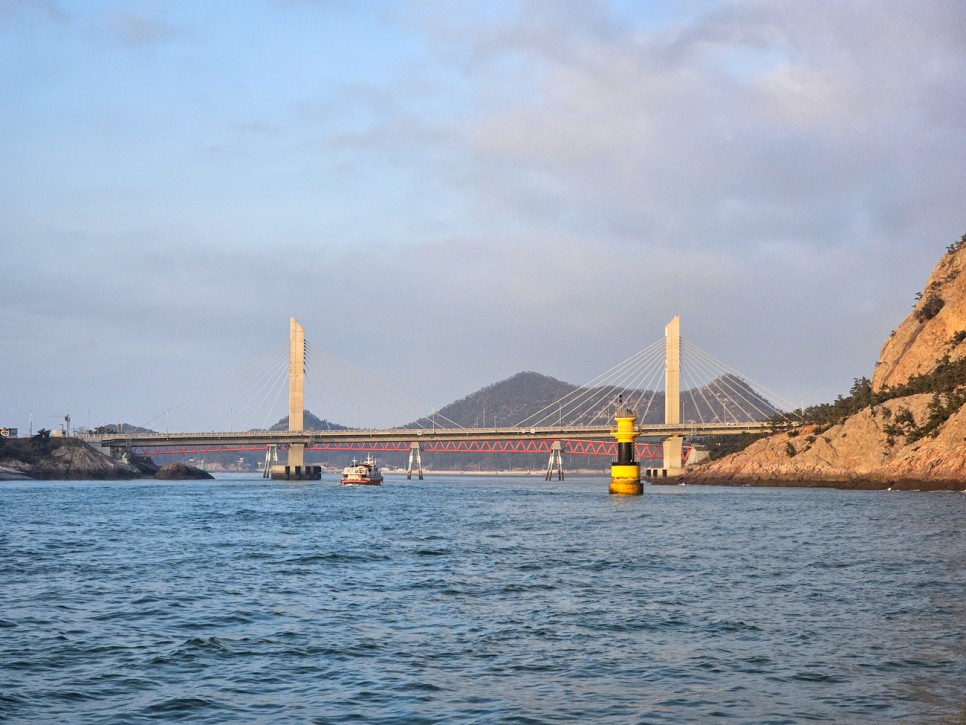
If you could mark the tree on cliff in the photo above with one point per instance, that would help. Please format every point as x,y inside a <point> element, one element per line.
<point>41,441</point>
<point>956,246</point>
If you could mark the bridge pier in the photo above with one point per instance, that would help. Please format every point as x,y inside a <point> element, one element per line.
<point>296,473</point>
<point>414,457</point>
<point>271,460</point>
<point>555,462</point>
<point>673,454</point>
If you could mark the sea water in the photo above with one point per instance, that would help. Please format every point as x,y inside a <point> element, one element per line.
<point>478,600</point>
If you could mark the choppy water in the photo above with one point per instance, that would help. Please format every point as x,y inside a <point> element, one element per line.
<point>478,600</point>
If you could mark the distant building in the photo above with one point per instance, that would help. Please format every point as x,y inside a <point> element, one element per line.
<point>8,432</point>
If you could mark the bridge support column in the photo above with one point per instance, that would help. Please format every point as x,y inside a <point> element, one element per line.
<point>672,398</point>
<point>296,468</point>
<point>271,460</point>
<point>414,457</point>
<point>555,462</point>
<point>625,472</point>
<point>296,386</point>
<point>673,450</point>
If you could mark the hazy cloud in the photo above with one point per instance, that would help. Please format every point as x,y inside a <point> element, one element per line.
<point>517,185</point>
<point>140,30</point>
<point>31,9</point>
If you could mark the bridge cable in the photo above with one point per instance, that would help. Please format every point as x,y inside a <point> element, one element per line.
<point>204,401</point>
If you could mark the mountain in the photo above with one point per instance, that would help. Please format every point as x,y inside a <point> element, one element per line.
<point>904,428</point>
<point>530,396</point>
<point>505,403</point>
<point>310,421</point>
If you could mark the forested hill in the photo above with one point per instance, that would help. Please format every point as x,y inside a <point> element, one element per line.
<point>310,421</point>
<point>507,402</point>
<point>513,401</point>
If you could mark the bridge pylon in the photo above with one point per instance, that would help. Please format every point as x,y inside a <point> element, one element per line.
<point>296,468</point>
<point>673,445</point>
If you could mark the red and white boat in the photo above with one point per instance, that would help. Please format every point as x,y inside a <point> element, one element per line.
<point>362,474</point>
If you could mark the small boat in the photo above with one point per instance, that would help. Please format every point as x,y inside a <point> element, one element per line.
<point>362,474</point>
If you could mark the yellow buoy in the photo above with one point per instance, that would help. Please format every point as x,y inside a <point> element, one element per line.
<point>625,473</point>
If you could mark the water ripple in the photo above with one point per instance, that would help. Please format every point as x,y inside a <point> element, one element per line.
<point>480,601</point>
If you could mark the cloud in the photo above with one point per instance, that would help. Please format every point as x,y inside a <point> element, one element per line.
<point>516,185</point>
<point>46,10</point>
<point>793,146</point>
<point>139,30</point>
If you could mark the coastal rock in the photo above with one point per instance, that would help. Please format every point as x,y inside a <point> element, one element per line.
<point>80,461</point>
<point>65,459</point>
<point>939,460</point>
<point>892,444</point>
<point>861,451</point>
<point>8,473</point>
<point>936,327</point>
<point>181,472</point>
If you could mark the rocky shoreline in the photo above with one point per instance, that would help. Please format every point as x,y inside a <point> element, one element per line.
<point>71,459</point>
<point>905,429</point>
<point>855,484</point>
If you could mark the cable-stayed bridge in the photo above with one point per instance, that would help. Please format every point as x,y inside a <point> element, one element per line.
<point>714,401</point>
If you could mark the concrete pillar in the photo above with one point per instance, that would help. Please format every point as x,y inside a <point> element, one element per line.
<point>672,372</point>
<point>672,395</point>
<point>673,449</point>
<point>296,388</point>
<point>414,458</point>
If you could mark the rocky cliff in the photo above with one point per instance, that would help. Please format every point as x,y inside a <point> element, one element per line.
<point>61,459</point>
<point>935,328</point>
<point>905,430</point>
<point>71,459</point>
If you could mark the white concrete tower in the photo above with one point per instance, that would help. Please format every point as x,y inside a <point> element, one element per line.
<point>296,388</point>
<point>672,395</point>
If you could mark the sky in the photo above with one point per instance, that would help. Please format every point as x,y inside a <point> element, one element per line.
<point>446,194</point>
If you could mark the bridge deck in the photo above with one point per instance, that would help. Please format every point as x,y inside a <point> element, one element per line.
<point>416,435</point>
